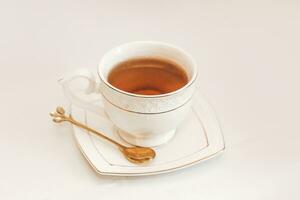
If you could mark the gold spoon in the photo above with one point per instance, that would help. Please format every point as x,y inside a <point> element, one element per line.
<point>137,155</point>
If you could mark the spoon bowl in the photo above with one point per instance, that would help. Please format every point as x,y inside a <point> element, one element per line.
<point>139,154</point>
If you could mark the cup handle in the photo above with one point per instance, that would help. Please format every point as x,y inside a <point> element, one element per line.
<point>92,87</point>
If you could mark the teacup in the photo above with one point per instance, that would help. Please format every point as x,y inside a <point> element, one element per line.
<point>141,120</point>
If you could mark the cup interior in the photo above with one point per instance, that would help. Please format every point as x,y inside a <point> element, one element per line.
<point>146,49</point>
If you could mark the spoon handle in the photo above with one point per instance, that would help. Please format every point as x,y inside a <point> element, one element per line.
<point>59,116</point>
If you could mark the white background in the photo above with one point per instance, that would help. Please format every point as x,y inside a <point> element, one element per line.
<point>249,62</point>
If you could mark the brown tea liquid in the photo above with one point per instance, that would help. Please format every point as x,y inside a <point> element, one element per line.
<point>148,76</point>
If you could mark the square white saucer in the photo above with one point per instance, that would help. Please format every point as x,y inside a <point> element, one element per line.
<point>197,139</point>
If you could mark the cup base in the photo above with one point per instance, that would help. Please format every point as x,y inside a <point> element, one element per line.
<point>149,141</point>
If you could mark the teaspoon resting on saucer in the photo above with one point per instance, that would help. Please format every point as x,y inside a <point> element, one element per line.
<point>138,155</point>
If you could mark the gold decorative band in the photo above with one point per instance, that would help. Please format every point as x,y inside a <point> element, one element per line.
<point>144,112</point>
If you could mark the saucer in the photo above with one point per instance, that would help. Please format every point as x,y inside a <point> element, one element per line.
<point>197,139</point>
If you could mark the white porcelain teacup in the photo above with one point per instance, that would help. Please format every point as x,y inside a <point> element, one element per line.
<point>142,120</point>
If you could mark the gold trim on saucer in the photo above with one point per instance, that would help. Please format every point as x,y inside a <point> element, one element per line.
<point>221,149</point>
